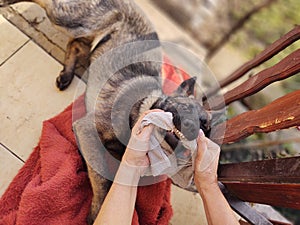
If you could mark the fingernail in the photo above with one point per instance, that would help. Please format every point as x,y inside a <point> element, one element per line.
<point>201,133</point>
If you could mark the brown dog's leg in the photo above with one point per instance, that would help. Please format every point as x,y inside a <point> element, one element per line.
<point>77,49</point>
<point>100,187</point>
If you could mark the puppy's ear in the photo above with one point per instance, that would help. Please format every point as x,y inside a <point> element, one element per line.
<point>186,88</point>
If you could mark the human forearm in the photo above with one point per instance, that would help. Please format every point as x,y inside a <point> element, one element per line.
<point>120,199</point>
<point>217,210</point>
<point>216,207</point>
<point>118,206</point>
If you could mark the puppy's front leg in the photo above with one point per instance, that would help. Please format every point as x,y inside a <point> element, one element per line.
<point>77,49</point>
<point>100,187</point>
<point>95,157</point>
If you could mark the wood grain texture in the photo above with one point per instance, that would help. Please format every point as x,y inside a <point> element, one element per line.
<point>275,182</point>
<point>283,170</point>
<point>283,195</point>
<point>280,114</point>
<point>287,67</point>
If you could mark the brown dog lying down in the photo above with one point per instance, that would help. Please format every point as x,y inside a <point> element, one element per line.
<point>123,82</point>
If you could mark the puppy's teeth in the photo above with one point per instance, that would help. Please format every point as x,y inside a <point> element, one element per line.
<point>179,134</point>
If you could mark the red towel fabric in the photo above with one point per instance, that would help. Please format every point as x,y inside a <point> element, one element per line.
<point>172,76</point>
<point>53,186</point>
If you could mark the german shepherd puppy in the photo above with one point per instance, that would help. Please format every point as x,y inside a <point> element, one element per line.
<point>116,95</point>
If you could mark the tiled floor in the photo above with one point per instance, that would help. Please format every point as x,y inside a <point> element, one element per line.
<point>13,40</point>
<point>28,96</point>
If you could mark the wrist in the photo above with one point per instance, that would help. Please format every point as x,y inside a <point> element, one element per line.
<point>207,186</point>
<point>135,161</point>
<point>135,158</point>
<point>128,175</point>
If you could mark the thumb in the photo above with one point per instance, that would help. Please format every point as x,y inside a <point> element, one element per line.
<point>201,145</point>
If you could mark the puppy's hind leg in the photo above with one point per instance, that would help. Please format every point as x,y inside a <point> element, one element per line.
<point>77,49</point>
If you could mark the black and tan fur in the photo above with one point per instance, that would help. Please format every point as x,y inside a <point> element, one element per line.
<point>127,92</point>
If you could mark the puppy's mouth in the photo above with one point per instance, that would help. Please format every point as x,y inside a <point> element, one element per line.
<point>175,138</point>
<point>178,134</point>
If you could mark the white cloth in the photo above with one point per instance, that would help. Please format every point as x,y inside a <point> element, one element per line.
<point>160,162</point>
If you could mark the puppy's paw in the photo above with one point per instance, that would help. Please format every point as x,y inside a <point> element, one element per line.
<point>63,80</point>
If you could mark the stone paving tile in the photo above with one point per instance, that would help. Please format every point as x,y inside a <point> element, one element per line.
<point>29,96</point>
<point>28,27</point>
<point>31,19</point>
<point>9,167</point>
<point>10,39</point>
<point>37,18</point>
<point>188,208</point>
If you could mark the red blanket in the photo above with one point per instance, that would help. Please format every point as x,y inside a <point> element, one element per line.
<point>53,186</point>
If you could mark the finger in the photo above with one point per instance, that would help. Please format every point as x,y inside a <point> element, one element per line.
<point>212,145</point>
<point>215,150</point>
<point>147,129</point>
<point>201,145</point>
<point>210,157</point>
<point>147,112</point>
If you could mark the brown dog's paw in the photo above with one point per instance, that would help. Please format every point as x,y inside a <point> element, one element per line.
<point>63,80</point>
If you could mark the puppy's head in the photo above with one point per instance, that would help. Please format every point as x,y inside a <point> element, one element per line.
<point>188,114</point>
<point>188,117</point>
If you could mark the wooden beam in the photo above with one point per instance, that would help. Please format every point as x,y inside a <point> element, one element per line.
<point>265,55</point>
<point>275,182</point>
<point>287,67</point>
<point>283,195</point>
<point>280,114</point>
<point>283,170</point>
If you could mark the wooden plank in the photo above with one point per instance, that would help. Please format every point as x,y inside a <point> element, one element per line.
<point>265,55</point>
<point>283,170</point>
<point>287,67</point>
<point>272,221</point>
<point>275,182</point>
<point>280,114</point>
<point>243,208</point>
<point>283,195</point>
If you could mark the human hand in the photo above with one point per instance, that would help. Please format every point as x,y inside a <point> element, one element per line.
<point>206,163</point>
<point>138,145</point>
